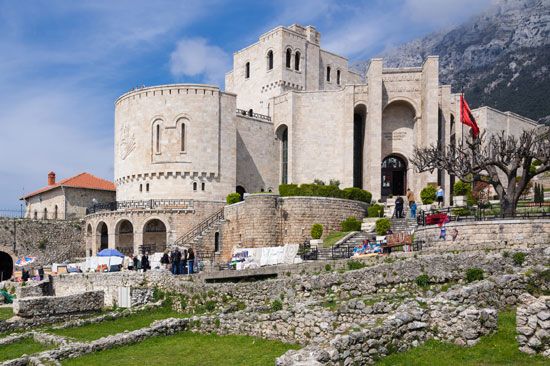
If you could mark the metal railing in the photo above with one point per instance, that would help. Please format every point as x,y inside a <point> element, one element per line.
<point>141,204</point>
<point>12,214</point>
<point>481,214</point>
<point>188,237</point>
<point>250,113</point>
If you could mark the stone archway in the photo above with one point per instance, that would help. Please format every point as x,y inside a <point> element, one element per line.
<point>6,266</point>
<point>102,235</point>
<point>154,236</point>
<point>124,237</point>
<point>394,176</point>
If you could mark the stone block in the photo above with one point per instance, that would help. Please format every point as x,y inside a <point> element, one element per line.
<point>43,306</point>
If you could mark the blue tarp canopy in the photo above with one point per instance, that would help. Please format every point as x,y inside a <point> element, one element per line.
<point>109,252</point>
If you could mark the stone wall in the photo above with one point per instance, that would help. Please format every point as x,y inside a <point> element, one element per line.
<point>40,306</point>
<point>269,220</point>
<point>533,324</point>
<point>478,235</point>
<point>47,240</point>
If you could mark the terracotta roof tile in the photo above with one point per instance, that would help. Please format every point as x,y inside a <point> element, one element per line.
<point>82,180</point>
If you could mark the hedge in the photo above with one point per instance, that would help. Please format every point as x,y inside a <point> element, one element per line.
<point>382,226</point>
<point>375,211</point>
<point>427,195</point>
<point>351,224</point>
<point>233,198</point>
<point>318,190</point>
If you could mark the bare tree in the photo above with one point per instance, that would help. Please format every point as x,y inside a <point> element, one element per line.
<point>509,162</point>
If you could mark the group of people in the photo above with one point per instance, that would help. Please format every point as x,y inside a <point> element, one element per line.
<point>179,262</point>
<point>26,274</point>
<point>400,202</point>
<point>136,264</point>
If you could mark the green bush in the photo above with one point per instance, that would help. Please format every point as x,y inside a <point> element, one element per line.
<point>461,188</point>
<point>233,198</point>
<point>276,305</point>
<point>328,267</point>
<point>427,195</point>
<point>357,194</point>
<point>474,274</point>
<point>382,226</point>
<point>288,190</point>
<point>423,280</point>
<point>375,211</point>
<point>317,231</point>
<point>351,224</point>
<point>519,258</point>
<point>210,305</point>
<point>352,265</point>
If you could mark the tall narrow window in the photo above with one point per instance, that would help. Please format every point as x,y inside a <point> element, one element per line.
<point>45,213</point>
<point>284,157</point>
<point>55,213</point>
<point>141,187</point>
<point>147,187</point>
<point>203,186</point>
<point>194,186</point>
<point>183,137</point>
<point>270,60</point>
<point>157,137</point>
<point>288,58</point>
<point>35,216</point>
<point>297,61</point>
<point>247,70</point>
<point>328,74</point>
<point>338,77</point>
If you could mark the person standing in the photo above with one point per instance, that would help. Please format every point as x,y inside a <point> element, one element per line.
<point>440,194</point>
<point>165,260</point>
<point>412,208</point>
<point>145,262</point>
<point>136,263</point>
<point>41,273</point>
<point>191,260</point>
<point>410,197</point>
<point>176,266</point>
<point>184,262</point>
<point>399,202</point>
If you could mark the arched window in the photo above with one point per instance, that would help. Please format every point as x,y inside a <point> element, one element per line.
<point>338,77</point>
<point>35,216</point>
<point>247,70</point>
<point>194,186</point>
<point>288,58</point>
<point>203,186</point>
<point>297,61</point>
<point>270,60</point>
<point>328,74</point>
<point>55,213</point>
<point>282,134</point>
<point>147,187</point>
<point>182,137</point>
<point>157,138</point>
<point>45,213</point>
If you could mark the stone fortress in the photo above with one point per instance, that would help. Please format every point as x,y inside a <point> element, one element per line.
<point>291,112</point>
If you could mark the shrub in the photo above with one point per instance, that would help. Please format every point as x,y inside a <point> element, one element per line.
<point>474,274</point>
<point>328,267</point>
<point>519,258</point>
<point>357,194</point>
<point>233,198</point>
<point>276,305</point>
<point>351,224</point>
<point>461,188</point>
<point>375,210</point>
<point>427,195</point>
<point>355,265</point>
<point>382,226</point>
<point>423,280</point>
<point>210,305</point>
<point>288,190</point>
<point>317,231</point>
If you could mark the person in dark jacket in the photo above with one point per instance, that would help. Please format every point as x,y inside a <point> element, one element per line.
<point>145,262</point>
<point>25,275</point>
<point>190,260</point>
<point>399,202</point>
<point>165,260</point>
<point>41,273</point>
<point>184,262</point>
<point>178,264</point>
<point>136,262</point>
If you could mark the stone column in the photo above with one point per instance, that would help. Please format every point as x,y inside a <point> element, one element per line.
<point>372,149</point>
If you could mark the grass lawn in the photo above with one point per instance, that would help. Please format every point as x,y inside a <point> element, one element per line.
<point>18,349</point>
<point>499,348</point>
<point>135,321</point>
<point>6,313</point>
<point>333,237</point>
<point>190,349</point>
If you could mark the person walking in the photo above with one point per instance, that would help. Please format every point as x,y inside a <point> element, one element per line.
<point>412,209</point>
<point>440,194</point>
<point>165,260</point>
<point>410,197</point>
<point>191,260</point>
<point>399,202</point>
<point>176,261</point>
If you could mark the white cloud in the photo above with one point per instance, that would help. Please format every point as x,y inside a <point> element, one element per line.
<point>194,57</point>
<point>440,13</point>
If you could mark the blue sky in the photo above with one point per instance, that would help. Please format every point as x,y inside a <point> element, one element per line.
<point>63,63</point>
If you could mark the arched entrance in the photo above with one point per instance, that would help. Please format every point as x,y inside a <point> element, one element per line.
<point>124,237</point>
<point>102,234</point>
<point>394,176</point>
<point>359,117</point>
<point>6,266</point>
<point>154,236</point>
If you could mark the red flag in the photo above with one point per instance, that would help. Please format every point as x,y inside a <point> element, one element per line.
<point>467,117</point>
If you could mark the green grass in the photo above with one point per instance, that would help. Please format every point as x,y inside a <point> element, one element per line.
<point>6,313</point>
<point>333,237</point>
<point>190,349</point>
<point>499,348</point>
<point>18,349</point>
<point>135,321</point>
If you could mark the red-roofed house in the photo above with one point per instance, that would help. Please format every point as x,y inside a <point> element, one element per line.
<point>68,198</point>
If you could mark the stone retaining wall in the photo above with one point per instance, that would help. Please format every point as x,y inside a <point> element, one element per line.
<point>270,220</point>
<point>481,235</point>
<point>40,306</point>
<point>533,324</point>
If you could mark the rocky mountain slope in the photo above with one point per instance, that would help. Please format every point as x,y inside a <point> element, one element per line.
<point>500,58</point>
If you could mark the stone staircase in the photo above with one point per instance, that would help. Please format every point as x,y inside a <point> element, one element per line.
<point>195,237</point>
<point>402,225</point>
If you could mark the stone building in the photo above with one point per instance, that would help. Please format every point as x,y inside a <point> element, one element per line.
<point>291,112</point>
<point>69,198</point>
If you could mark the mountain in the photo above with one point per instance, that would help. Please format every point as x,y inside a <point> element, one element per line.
<point>500,58</point>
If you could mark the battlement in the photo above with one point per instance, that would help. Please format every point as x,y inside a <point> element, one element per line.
<point>168,89</point>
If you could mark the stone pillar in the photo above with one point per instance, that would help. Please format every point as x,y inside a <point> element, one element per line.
<point>372,149</point>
